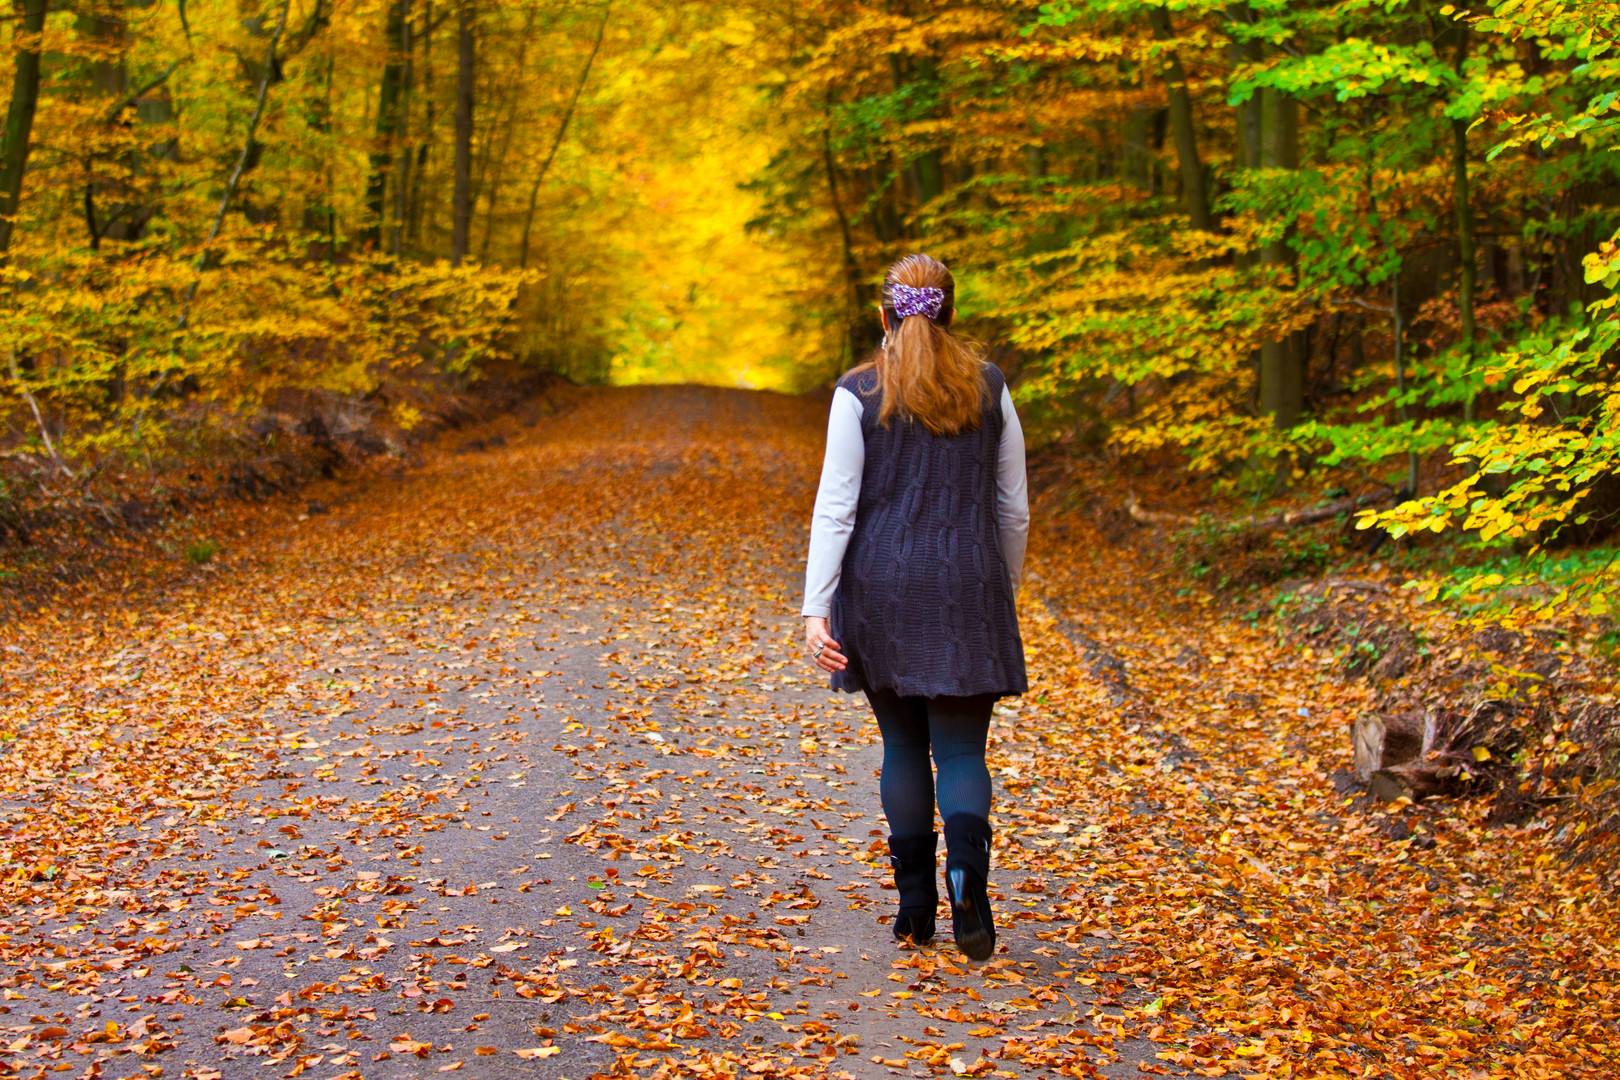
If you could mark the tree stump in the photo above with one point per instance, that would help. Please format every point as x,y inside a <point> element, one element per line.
<point>1415,780</point>
<point>1367,741</point>
<point>1380,741</point>
<point>1391,755</point>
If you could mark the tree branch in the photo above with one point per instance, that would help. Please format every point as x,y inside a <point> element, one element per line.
<point>562,130</point>
<point>242,159</point>
<point>38,419</point>
<point>135,96</point>
<point>1287,520</point>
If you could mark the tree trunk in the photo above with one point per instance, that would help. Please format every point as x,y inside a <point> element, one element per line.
<point>319,215</point>
<point>1193,191</point>
<point>14,142</point>
<point>1249,119</point>
<point>854,286</point>
<point>1138,165</point>
<point>1282,367</point>
<point>429,119</point>
<point>493,199</point>
<point>108,75</point>
<point>106,79</point>
<point>402,120</point>
<point>461,200</point>
<point>1245,51</point>
<point>929,169</point>
<point>1467,253</point>
<point>1400,380</point>
<point>387,106</point>
<point>507,126</point>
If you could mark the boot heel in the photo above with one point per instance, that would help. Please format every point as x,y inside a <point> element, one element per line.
<point>972,937</point>
<point>967,872</point>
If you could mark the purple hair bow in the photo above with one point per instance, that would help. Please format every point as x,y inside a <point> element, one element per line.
<point>909,301</point>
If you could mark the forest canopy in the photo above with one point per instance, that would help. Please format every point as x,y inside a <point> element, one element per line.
<point>1342,244</point>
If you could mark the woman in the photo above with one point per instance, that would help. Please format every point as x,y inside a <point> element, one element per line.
<point>915,553</point>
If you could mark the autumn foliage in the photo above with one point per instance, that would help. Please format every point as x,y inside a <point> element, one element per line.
<point>1304,246</point>
<point>505,751</point>
<point>1298,245</point>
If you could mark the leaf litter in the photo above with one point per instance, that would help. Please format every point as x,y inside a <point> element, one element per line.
<point>515,760</point>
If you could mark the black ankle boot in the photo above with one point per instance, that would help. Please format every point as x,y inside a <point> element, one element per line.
<point>967,869</point>
<point>912,858</point>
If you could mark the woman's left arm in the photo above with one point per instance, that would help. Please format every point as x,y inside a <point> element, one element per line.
<point>831,525</point>
<point>1012,491</point>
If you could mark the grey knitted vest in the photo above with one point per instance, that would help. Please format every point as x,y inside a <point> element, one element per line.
<point>924,605</point>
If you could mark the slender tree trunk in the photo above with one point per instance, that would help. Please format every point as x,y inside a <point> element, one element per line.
<point>401,134</point>
<point>493,199</point>
<point>852,268</point>
<point>387,107</point>
<point>1282,363</point>
<point>929,167</point>
<point>493,186</point>
<point>1467,249</point>
<point>14,142</point>
<point>1193,191</point>
<point>1467,255</point>
<point>331,174</point>
<point>424,149</point>
<point>1244,51</point>
<point>1400,381</point>
<point>562,130</point>
<point>106,79</point>
<point>1248,124</point>
<point>507,127</point>
<point>1136,159</point>
<point>317,106</point>
<point>461,208</point>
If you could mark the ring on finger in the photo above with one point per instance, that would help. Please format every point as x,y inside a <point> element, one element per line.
<point>816,655</point>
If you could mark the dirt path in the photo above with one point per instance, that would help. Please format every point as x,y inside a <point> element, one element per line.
<point>512,766</point>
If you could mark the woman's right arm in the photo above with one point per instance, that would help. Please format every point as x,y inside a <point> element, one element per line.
<point>1012,491</point>
<point>833,521</point>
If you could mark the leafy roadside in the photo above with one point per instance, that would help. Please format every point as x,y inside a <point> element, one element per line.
<point>1520,720</point>
<point>55,529</point>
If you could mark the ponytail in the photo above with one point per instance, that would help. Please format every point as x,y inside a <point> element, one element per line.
<point>925,373</point>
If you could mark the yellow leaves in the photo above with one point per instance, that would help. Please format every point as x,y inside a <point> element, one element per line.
<point>733,31</point>
<point>406,415</point>
<point>260,324</point>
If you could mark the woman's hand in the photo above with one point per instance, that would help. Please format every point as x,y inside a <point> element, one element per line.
<point>823,649</point>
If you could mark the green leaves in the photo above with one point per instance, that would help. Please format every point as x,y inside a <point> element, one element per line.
<point>1351,69</point>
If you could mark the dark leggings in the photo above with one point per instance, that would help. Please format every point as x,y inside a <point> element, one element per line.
<point>956,729</point>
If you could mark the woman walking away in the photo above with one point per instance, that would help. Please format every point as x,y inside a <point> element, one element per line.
<point>915,552</point>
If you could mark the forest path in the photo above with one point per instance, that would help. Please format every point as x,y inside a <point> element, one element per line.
<point>513,766</point>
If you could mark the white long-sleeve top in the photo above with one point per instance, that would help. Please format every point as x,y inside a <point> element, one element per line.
<point>840,492</point>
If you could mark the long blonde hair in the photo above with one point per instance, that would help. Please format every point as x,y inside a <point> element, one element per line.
<point>924,372</point>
